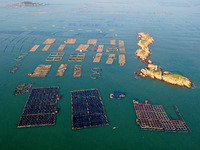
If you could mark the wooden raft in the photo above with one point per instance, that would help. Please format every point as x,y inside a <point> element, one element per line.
<point>34,48</point>
<point>41,71</point>
<point>49,41</point>
<point>61,70</point>
<point>82,47</point>
<point>46,47</point>
<point>100,48</point>
<point>97,58</point>
<point>92,41</point>
<point>61,47</point>
<point>121,46</point>
<point>121,60</point>
<point>111,58</point>
<point>70,41</point>
<point>112,42</point>
<point>77,71</point>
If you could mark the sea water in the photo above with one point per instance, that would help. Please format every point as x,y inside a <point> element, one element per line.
<point>175,27</point>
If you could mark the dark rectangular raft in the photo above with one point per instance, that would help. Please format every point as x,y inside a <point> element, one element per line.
<point>40,108</point>
<point>87,109</point>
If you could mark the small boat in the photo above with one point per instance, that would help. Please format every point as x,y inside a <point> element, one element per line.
<point>95,48</point>
<point>30,74</point>
<point>117,95</point>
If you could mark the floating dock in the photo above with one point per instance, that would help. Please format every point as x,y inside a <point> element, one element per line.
<point>61,47</point>
<point>87,109</point>
<point>46,48</point>
<point>92,41</point>
<point>82,47</point>
<point>121,46</point>
<point>111,58</point>
<point>77,71</point>
<point>15,68</point>
<point>49,41</point>
<point>77,57</point>
<point>40,108</point>
<point>97,58</point>
<point>112,42</point>
<point>55,56</point>
<point>22,88</point>
<point>100,48</point>
<point>122,60</point>
<point>70,41</point>
<point>41,71</point>
<point>154,117</point>
<point>61,70</point>
<point>34,48</point>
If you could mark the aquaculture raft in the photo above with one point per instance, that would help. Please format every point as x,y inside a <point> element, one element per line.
<point>121,46</point>
<point>21,56</point>
<point>92,41</point>
<point>121,60</point>
<point>61,47</point>
<point>34,48</point>
<point>40,108</point>
<point>87,109</point>
<point>70,41</point>
<point>111,49</point>
<point>97,58</point>
<point>77,71</point>
<point>22,88</point>
<point>49,41</point>
<point>111,58</point>
<point>41,71</point>
<point>100,48</point>
<point>46,47</point>
<point>77,57</point>
<point>82,47</point>
<point>154,117</point>
<point>112,42</point>
<point>61,70</point>
<point>15,68</point>
<point>54,56</point>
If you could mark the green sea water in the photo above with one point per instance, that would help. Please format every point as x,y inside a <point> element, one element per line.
<point>175,27</point>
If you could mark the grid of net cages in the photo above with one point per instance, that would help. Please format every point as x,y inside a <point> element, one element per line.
<point>87,109</point>
<point>54,56</point>
<point>77,57</point>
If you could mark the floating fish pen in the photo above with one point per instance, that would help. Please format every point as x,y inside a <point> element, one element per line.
<point>15,68</point>
<point>96,73</point>
<point>41,71</point>
<point>61,47</point>
<point>46,48</point>
<point>112,42</point>
<point>121,60</point>
<point>111,49</point>
<point>40,108</point>
<point>21,56</point>
<point>61,70</point>
<point>77,57</point>
<point>54,56</point>
<point>92,41</point>
<point>77,71</point>
<point>95,48</point>
<point>121,46</point>
<point>110,59</point>
<point>100,48</point>
<point>49,41</point>
<point>34,48</point>
<point>82,47</point>
<point>97,58</point>
<point>22,88</point>
<point>154,117</point>
<point>70,41</point>
<point>87,109</point>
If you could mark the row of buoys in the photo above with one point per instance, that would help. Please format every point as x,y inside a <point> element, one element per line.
<point>96,73</point>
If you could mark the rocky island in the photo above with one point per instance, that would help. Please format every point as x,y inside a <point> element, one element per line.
<point>152,70</point>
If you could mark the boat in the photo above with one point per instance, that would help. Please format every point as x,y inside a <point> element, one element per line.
<point>95,48</point>
<point>117,95</point>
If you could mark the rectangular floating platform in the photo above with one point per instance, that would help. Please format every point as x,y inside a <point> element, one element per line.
<point>92,41</point>
<point>87,109</point>
<point>46,48</point>
<point>41,71</point>
<point>111,58</point>
<point>22,88</point>
<point>61,47</point>
<point>154,117</point>
<point>112,42</point>
<point>97,58</point>
<point>70,41</point>
<point>61,70</point>
<point>77,57</point>
<point>34,48</point>
<point>121,46</point>
<point>55,56</point>
<point>77,71</point>
<point>40,108</point>
<point>100,48</point>
<point>111,49</point>
<point>49,41</point>
<point>82,47</point>
<point>122,60</point>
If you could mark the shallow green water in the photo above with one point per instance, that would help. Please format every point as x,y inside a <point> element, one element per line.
<point>175,28</point>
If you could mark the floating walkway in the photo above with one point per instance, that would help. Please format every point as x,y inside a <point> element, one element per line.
<point>70,41</point>
<point>82,47</point>
<point>112,42</point>
<point>121,46</point>
<point>49,41</point>
<point>111,58</point>
<point>22,88</point>
<point>97,58</point>
<point>34,48</point>
<point>100,48</point>
<point>46,48</point>
<point>77,71</point>
<point>61,70</point>
<point>77,57</point>
<point>92,41</point>
<point>121,60</point>
<point>61,47</point>
<point>40,108</point>
<point>87,109</point>
<point>41,71</point>
<point>54,56</point>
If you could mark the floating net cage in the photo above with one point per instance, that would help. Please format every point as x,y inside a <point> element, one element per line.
<point>96,70</point>
<point>95,76</point>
